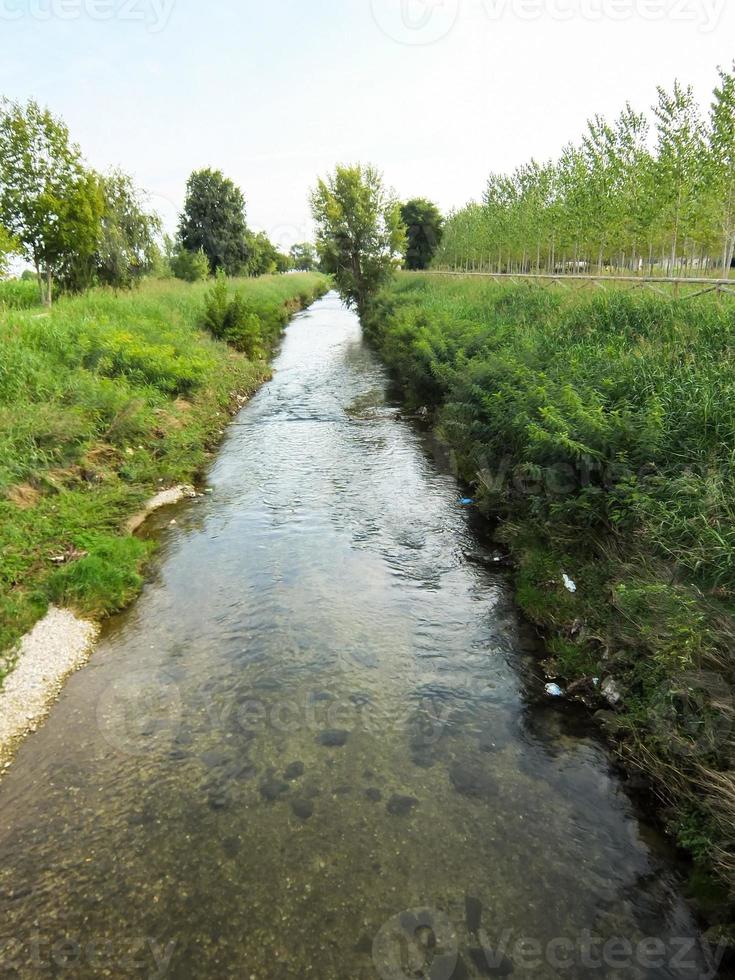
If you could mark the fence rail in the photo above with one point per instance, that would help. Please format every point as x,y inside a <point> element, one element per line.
<point>701,286</point>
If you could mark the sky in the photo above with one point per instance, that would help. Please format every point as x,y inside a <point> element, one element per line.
<point>435,93</point>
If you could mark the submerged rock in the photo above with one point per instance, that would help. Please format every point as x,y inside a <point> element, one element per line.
<point>271,788</point>
<point>373,794</point>
<point>333,737</point>
<point>399,805</point>
<point>471,779</point>
<point>302,808</point>
<point>215,758</point>
<point>294,771</point>
<point>242,769</point>
<point>217,802</point>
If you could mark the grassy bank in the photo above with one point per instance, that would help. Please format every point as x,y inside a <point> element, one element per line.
<point>600,433</point>
<point>104,400</point>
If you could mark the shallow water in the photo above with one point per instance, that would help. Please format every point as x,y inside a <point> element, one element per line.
<point>180,815</point>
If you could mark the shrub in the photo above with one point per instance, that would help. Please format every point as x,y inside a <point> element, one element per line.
<point>190,266</point>
<point>231,320</point>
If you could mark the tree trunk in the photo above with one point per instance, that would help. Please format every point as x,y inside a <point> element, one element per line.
<point>39,278</point>
<point>49,287</point>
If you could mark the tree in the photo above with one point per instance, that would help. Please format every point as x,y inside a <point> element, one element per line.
<point>49,202</point>
<point>303,256</point>
<point>214,221</point>
<point>284,263</point>
<point>7,247</point>
<point>721,175</point>
<point>424,228</point>
<point>262,255</point>
<point>127,248</point>
<point>681,152</point>
<point>360,232</point>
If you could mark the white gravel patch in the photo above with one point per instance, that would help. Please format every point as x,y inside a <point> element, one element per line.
<point>58,644</point>
<point>163,499</point>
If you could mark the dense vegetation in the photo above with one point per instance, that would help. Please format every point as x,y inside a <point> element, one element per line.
<point>104,400</point>
<point>599,432</point>
<point>613,201</point>
<point>424,229</point>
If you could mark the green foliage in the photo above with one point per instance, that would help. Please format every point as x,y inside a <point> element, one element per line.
<point>214,221</point>
<point>424,230</point>
<point>127,247</point>
<point>190,266</point>
<point>303,257</point>
<point>229,319</point>
<point>262,255</point>
<point>19,294</point>
<point>360,231</point>
<point>106,580</point>
<point>8,246</point>
<point>611,203</point>
<point>48,202</point>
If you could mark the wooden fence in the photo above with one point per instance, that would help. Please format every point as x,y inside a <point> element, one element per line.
<point>682,287</point>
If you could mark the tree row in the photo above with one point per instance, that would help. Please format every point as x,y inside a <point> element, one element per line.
<point>635,195</point>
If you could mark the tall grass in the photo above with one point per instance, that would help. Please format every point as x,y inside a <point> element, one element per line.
<point>600,433</point>
<point>18,294</point>
<point>103,400</point>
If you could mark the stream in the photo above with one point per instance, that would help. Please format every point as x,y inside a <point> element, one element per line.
<point>318,745</point>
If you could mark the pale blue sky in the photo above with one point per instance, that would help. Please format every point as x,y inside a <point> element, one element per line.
<point>275,94</point>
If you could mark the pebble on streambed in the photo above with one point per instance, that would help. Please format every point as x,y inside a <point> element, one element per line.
<point>333,738</point>
<point>399,806</point>
<point>271,788</point>
<point>303,809</point>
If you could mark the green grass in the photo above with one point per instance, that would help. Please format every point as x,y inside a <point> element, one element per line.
<point>104,400</point>
<point>599,430</point>
<point>18,294</point>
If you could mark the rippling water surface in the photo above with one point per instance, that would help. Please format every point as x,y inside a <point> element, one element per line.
<point>313,748</point>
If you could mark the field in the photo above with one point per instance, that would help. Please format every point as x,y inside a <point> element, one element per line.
<point>599,433</point>
<point>103,401</point>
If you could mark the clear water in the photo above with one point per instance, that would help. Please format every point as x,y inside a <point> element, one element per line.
<point>180,815</point>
